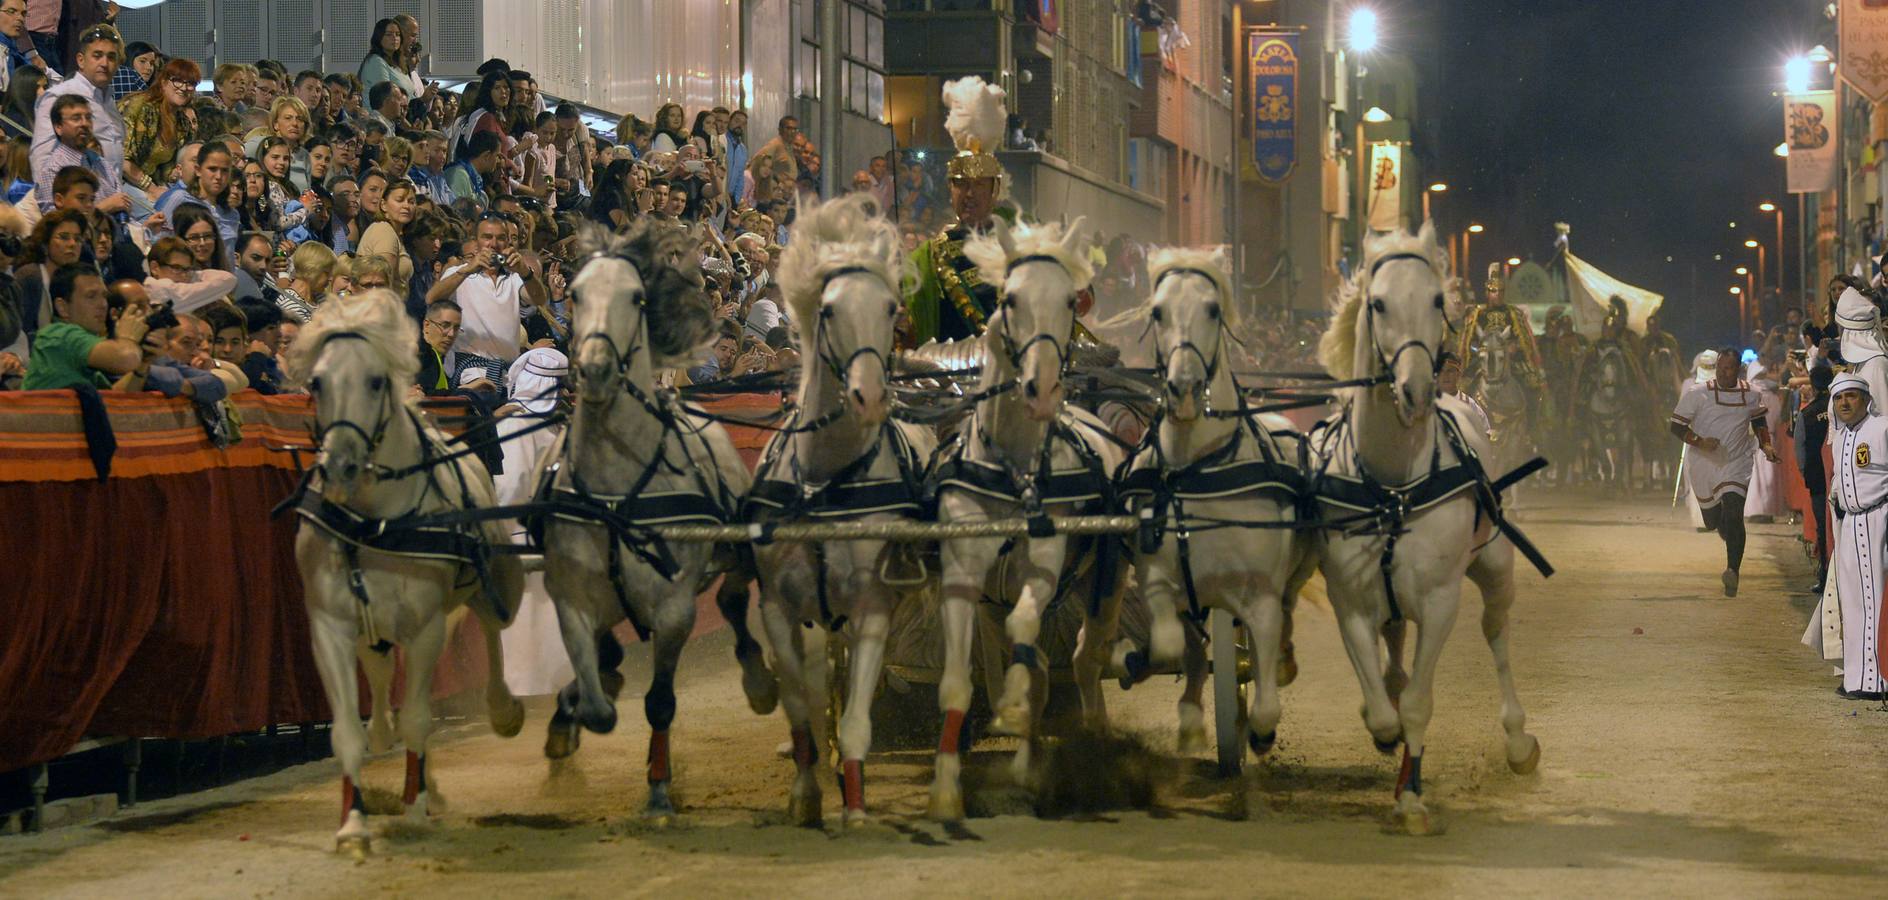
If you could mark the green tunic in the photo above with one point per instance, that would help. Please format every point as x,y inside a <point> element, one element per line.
<point>950,301</point>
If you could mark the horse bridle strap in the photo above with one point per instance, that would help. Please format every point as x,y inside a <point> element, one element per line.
<point>1370,310</point>
<point>386,409</point>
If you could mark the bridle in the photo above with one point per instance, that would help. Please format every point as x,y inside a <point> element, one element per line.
<point>374,437</point>
<point>1008,304</point>
<point>1209,361</point>
<point>1387,362</point>
<point>624,357</point>
<point>828,354</point>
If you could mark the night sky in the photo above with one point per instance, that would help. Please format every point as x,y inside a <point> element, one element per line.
<point>1648,125</point>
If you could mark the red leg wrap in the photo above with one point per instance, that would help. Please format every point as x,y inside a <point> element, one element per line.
<point>658,756</point>
<point>953,728</point>
<point>413,777</point>
<point>804,753</point>
<point>852,779</point>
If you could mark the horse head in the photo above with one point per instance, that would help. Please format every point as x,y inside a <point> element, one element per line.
<point>841,275</point>
<point>1401,325</point>
<point>1188,315</point>
<point>1039,269</point>
<point>636,305</point>
<point>356,359</point>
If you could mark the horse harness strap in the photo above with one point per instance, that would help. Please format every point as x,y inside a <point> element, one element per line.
<point>849,493</point>
<point>1384,510</point>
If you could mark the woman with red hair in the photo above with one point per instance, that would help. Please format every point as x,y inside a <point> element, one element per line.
<point>154,125</point>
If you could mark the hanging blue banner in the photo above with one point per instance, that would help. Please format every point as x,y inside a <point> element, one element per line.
<point>1274,93</point>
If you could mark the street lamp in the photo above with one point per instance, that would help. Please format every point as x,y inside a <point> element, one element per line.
<point>1376,116</point>
<point>1363,29</point>
<point>1436,188</point>
<point>1778,210</point>
<point>1468,261</point>
<point>1514,260</point>
<point>1796,74</point>
<point>1783,150</point>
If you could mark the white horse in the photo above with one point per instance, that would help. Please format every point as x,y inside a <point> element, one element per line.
<point>369,590</point>
<point>841,460</point>
<point>1023,453</point>
<point>1387,454</point>
<point>1208,464</point>
<point>636,458</point>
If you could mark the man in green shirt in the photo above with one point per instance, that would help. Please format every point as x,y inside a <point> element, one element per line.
<point>75,348</point>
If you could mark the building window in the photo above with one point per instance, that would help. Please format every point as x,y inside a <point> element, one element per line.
<point>865,60</point>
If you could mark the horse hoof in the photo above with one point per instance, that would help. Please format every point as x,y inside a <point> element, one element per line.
<point>763,692</point>
<point>1261,744</point>
<point>379,735</point>
<point>357,846</point>
<point>1010,723</point>
<point>1387,747</point>
<point>612,682</point>
<point>1413,823</point>
<point>659,811</point>
<point>857,818</point>
<point>508,718</point>
<point>804,812</point>
<point>1527,764</point>
<point>1192,740</point>
<point>946,807</point>
<point>562,739</point>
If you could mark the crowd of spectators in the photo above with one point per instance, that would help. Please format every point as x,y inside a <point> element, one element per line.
<point>239,209</point>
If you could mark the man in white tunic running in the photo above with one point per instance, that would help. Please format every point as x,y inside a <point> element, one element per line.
<point>1723,423</point>
<point>1860,500</point>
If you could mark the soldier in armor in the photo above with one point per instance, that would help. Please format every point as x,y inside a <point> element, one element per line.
<point>1495,315</point>
<point>950,301</point>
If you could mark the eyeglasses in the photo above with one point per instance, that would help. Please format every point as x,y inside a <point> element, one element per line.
<point>447,327</point>
<point>184,84</point>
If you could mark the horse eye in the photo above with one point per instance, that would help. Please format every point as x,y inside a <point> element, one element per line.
<point>826,312</point>
<point>1438,301</point>
<point>891,309</point>
<point>1071,302</point>
<point>1155,315</point>
<point>1212,310</point>
<point>377,382</point>
<point>314,385</point>
<point>1377,306</point>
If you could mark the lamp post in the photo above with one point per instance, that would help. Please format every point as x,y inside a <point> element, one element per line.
<point>1750,287</point>
<point>1778,210</point>
<point>1436,188</point>
<point>1738,292</point>
<point>1468,262</point>
<point>1758,246</point>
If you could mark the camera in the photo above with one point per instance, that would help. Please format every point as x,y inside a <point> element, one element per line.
<point>161,317</point>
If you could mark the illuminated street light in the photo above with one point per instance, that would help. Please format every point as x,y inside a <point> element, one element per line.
<point>1733,224</point>
<point>1363,29</point>
<point>1514,260</point>
<point>1767,207</point>
<point>1751,244</point>
<point>1796,75</point>
<point>1742,270</point>
<point>1475,229</point>
<point>1438,187</point>
<point>1376,116</point>
<point>1736,290</point>
<point>1782,150</point>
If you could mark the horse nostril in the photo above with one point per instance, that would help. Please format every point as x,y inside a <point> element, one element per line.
<point>1029,390</point>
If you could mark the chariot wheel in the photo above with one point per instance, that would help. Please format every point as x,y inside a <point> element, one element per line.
<point>1232,685</point>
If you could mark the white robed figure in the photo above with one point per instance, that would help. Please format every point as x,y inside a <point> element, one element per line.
<point>1704,367</point>
<point>1766,477</point>
<point>535,660</point>
<point>1724,422</point>
<point>1859,439</point>
<point>1864,346</point>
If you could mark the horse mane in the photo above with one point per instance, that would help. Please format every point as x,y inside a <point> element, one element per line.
<point>378,317</point>
<point>995,249</point>
<point>668,258</point>
<point>848,231</point>
<point>1337,349</point>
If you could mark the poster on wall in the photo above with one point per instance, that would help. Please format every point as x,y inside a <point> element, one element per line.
<point>1385,200</point>
<point>1273,88</point>
<point>1809,130</point>
<point>1864,41</point>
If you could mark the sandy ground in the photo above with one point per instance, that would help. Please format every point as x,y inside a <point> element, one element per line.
<point>1691,747</point>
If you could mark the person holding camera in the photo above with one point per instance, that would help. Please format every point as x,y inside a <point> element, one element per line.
<point>76,349</point>
<point>491,290</point>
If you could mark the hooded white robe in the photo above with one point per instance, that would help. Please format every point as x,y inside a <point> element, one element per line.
<point>1861,543</point>
<point>535,660</point>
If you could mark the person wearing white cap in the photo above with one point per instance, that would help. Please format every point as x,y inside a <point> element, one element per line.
<point>1723,424</point>
<point>535,660</point>
<point>1859,498</point>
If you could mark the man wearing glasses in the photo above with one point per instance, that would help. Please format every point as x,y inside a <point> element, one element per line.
<point>438,332</point>
<point>96,60</point>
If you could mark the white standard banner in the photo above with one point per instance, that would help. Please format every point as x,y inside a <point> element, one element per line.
<point>1809,130</point>
<point>1385,200</point>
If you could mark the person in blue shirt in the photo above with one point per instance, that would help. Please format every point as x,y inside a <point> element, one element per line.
<point>210,190</point>
<point>467,177</point>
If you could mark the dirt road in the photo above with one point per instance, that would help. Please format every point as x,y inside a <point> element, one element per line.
<point>1691,747</point>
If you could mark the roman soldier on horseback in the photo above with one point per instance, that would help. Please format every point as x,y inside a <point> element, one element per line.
<point>1496,315</point>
